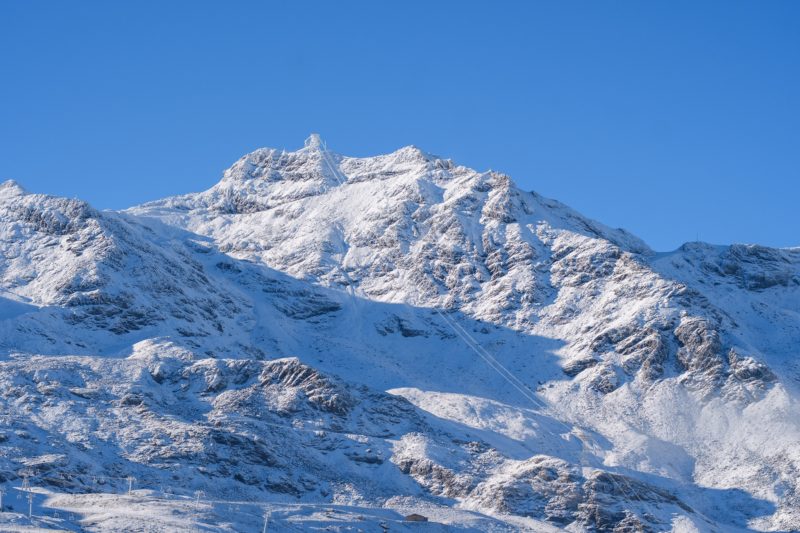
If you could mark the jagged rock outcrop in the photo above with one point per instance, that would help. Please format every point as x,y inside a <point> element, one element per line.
<point>370,330</point>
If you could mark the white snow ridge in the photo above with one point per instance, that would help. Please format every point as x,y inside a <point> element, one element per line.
<point>322,342</point>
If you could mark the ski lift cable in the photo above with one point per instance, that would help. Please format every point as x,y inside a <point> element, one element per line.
<point>528,394</point>
<point>323,150</point>
<point>489,358</point>
<point>525,391</point>
<point>326,158</point>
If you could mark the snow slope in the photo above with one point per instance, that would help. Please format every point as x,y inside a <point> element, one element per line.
<point>394,332</point>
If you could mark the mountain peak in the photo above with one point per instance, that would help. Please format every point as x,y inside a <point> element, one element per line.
<point>485,347</point>
<point>11,188</point>
<point>267,178</point>
<point>314,142</point>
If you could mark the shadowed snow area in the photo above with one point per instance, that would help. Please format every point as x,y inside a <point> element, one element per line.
<point>340,342</point>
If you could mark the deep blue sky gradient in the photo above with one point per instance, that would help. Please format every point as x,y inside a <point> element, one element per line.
<point>671,119</point>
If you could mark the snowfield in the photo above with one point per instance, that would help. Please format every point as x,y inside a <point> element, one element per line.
<point>334,343</point>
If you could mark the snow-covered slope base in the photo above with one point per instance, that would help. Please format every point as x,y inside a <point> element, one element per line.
<point>344,341</point>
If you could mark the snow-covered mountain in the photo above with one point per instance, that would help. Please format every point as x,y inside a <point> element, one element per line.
<point>393,334</point>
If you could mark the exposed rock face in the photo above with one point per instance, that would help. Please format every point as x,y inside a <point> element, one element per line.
<point>243,340</point>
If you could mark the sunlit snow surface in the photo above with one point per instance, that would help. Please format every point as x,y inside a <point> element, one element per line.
<point>344,341</point>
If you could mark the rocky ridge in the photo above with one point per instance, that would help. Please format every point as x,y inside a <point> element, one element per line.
<point>323,328</point>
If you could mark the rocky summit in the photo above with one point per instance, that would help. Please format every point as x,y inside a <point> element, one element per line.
<point>322,341</point>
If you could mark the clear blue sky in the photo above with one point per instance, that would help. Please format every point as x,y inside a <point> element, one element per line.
<point>667,118</point>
